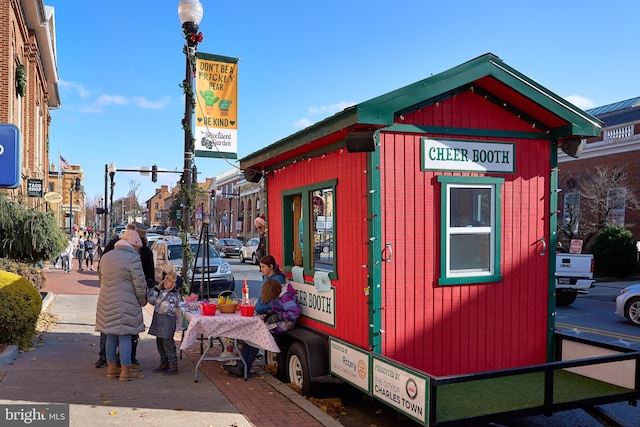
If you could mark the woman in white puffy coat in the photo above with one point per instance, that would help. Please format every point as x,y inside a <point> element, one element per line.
<point>123,290</point>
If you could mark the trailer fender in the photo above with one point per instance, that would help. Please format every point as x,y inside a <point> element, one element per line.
<point>315,345</point>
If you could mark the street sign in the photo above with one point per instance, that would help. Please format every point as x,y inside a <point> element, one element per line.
<point>10,164</point>
<point>576,246</point>
<point>34,187</point>
<point>53,197</point>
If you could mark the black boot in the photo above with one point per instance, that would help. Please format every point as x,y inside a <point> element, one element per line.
<point>162,368</point>
<point>101,363</point>
<point>235,370</point>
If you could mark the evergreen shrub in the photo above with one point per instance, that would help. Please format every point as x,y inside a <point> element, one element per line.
<point>20,307</point>
<point>615,252</point>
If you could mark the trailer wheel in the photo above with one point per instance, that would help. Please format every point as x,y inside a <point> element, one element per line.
<point>632,311</point>
<point>565,297</point>
<point>298,368</point>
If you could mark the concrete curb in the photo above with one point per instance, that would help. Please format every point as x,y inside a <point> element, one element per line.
<point>299,400</point>
<point>46,301</point>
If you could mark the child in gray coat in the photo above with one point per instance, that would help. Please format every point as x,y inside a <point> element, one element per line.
<point>163,325</point>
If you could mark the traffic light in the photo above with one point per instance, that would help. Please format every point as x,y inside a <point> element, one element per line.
<point>194,175</point>
<point>154,173</point>
<point>77,184</point>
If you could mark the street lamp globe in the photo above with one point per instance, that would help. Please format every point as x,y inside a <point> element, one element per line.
<point>190,11</point>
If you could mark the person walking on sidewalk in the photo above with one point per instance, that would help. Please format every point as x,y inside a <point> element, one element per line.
<point>123,293</point>
<point>67,256</point>
<point>80,253</point>
<point>163,325</point>
<point>89,247</point>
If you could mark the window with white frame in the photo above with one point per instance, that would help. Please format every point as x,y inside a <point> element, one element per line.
<point>470,209</point>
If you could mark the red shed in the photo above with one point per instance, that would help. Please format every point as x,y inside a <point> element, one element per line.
<point>419,226</point>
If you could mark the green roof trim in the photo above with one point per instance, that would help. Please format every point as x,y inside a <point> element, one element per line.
<point>380,112</point>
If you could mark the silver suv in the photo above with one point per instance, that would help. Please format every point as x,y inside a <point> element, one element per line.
<point>218,278</point>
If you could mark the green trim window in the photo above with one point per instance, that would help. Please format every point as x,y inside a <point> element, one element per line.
<point>309,225</point>
<point>470,229</point>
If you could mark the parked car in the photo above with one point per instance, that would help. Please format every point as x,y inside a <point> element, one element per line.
<point>248,251</point>
<point>325,247</point>
<point>218,278</point>
<point>118,230</point>
<point>156,229</point>
<point>228,247</point>
<point>152,237</point>
<point>171,231</point>
<point>628,304</point>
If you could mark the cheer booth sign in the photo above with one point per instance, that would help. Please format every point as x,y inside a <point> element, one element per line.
<point>468,156</point>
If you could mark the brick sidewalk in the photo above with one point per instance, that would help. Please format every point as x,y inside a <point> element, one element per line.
<point>261,402</point>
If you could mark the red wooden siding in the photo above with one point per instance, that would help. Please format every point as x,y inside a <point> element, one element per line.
<point>350,233</point>
<point>463,328</point>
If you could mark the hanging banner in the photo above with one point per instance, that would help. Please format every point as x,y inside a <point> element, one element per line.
<point>216,95</point>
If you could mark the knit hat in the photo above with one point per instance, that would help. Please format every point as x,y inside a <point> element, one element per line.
<point>133,238</point>
<point>140,228</point>
<point>261,220</point>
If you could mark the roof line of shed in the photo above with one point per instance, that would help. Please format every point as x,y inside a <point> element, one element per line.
<point>380,112</point>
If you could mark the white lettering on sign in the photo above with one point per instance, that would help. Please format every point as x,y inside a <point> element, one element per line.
<point>1,150</point>
<point>471,156</point>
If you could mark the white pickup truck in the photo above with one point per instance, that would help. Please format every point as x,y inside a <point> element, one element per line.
<point>574,275</point>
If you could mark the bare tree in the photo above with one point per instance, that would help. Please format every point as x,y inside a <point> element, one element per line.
<point>603,192</point>
<point>132,203</point>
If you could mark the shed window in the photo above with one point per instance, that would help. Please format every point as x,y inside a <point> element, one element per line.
<point>309,221</point>
<point>470,212</point>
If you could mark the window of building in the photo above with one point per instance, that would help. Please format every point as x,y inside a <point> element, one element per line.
<point>470,211</point>
<point>309,221</point>
<point>616,201</point>
<point>571,212</point>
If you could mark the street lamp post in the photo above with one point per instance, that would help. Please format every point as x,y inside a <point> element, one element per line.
<point>190,13</point>
<point>71,208</point>
<point>112,173</point>
<point>105,212</point>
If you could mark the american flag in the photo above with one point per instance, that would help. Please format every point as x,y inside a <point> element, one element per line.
<point>63,163</point>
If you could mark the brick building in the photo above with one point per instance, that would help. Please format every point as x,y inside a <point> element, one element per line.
<point>618,146</point>
<point>29,90</point>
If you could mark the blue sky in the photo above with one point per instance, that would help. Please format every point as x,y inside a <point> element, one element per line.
<point>121,62</point>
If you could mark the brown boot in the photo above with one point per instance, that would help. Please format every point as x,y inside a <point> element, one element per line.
<point>162,368</point>
<point>113,370</point>
<point>171,370</point>
<point>126,374</point>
